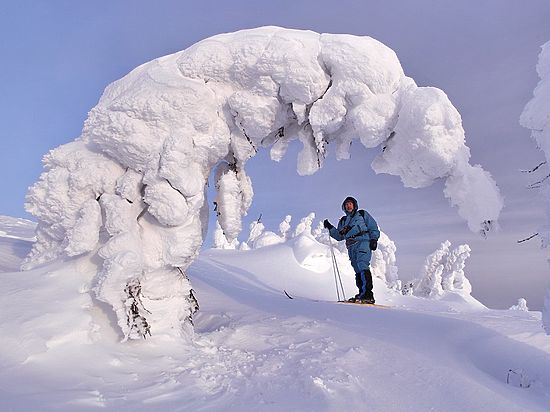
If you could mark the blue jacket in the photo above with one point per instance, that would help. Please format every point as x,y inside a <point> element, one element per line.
<point>360,229</point>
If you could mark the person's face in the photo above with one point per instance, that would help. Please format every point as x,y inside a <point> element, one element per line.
<point>348,206</point>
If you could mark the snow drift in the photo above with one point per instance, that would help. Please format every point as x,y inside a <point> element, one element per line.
<point>131,188</point>
<point>255,349</point>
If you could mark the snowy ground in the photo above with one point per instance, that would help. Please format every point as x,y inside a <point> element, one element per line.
<point>255,349</point>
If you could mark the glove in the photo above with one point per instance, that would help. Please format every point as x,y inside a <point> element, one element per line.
<point>373,244</point>
<point>327,224</point>
<point>344,231</point>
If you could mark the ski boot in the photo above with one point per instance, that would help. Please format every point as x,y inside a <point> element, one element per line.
<point>354,299</point>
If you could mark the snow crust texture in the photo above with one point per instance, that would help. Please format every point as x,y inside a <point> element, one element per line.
<point>132,186</point>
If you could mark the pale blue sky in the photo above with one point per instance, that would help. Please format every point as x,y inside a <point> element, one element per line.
<point>58,56</point>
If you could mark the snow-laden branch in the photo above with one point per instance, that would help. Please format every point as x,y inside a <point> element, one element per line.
<point>133,184</point>
<point>536,117</point>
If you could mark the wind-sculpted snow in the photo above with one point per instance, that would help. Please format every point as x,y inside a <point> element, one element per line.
<point>132,186</point>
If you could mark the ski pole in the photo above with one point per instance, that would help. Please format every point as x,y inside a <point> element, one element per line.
<point>336,270</point>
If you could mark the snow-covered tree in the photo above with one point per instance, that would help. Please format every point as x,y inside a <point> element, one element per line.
<point>443,271</point>
<point>431,277</point>
<point>522,305</point>
<point>536,117</point>
<point>284,226</point>
<point>383,263</point>
<point>256,230</point>
<point>156,135</point>
<point>453,277</point>
<point>304,227</point>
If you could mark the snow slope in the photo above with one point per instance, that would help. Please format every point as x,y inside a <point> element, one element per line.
<point>15,242</point>
<point>255,349</point>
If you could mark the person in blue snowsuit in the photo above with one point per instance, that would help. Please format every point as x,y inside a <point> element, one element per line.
<point>361,233</point>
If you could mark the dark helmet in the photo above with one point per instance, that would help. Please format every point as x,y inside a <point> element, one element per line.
<point>352,200</point>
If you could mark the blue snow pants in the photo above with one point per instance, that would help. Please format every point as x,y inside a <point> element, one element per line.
<point>360,255</point>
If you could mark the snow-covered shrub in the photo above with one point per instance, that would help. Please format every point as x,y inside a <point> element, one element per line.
<point>304,227</point>
<point>256,230</point>
<point>431,277</point>
<point>453,277</point>
<point>443,271</point>
<point>155,136</point>
<point>383,262</point>
<point>284,226</point>
<point>522,305</point>
<point>536,117</point>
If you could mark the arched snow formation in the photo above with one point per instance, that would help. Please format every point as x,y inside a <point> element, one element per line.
<point>132,186</point>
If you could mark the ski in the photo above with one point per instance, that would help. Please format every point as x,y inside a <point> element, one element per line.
<point>376,305</point>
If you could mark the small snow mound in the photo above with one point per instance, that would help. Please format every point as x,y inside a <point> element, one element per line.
<point>311,254</point>
<point>267,238</point>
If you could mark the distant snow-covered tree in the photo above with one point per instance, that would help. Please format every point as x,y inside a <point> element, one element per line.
<point>304,227</point>
<point>521,305</point>
<point>256,229</point>
<point>443,271</point>
<point>453,277</point>
<point>317,232</point>
<point>284,226</point>
<point>431,277</point>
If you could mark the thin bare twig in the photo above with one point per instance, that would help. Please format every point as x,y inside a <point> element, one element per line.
<point>528,238</point>
<point>533,170</point>
<point>539,183</point>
